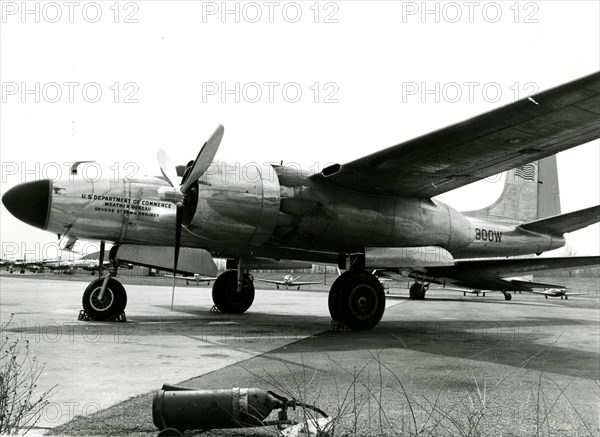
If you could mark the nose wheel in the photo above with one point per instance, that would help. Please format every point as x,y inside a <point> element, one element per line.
<point>104,305</point>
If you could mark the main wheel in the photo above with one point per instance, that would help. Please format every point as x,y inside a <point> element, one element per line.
<point>357,299</point>
<point>112,303</point>
<point>417,291</point>
<point>226,297</point>
<point>508,296</point>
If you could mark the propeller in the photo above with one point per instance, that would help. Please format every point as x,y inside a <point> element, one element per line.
<point>193,172</point>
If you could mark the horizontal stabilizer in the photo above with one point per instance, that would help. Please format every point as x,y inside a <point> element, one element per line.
<point>531,284</point>
<point>495,274</point>
<point>560,224</point>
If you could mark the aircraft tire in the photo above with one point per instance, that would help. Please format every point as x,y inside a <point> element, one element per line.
<point>508,296</point>
<point>357,299</point>
<point>416,291</point>
<point>112,304</point>
<point>226,297</point>
<point>335,293</point>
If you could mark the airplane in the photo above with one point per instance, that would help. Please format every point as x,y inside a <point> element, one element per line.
<point>22,265</point>
<point>197,278</point>
<point>287,281</point>
<point>556,292</point>
<point>90,265</point>
<point>475,292</point>
<point>378,212</point>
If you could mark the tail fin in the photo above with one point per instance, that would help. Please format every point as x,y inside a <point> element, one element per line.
<point>530,193</point>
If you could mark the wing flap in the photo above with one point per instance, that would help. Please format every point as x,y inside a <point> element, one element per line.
<point>514,135</point>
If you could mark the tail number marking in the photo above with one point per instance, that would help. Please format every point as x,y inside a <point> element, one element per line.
<point>488,235</point>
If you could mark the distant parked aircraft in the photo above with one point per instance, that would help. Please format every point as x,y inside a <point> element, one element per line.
<point>196,278</point>
<point>287,281</point>
<point>556,292</point>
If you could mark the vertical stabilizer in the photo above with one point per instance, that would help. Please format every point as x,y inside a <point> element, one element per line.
<point>530,193</point>
<point>548,193</point>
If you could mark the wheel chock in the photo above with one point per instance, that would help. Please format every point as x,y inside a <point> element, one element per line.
<point>84,317</point>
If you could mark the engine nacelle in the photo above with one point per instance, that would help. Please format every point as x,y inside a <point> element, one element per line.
<point>236,204</point>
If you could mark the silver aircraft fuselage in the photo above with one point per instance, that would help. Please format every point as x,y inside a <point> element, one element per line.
<point>272,211</point>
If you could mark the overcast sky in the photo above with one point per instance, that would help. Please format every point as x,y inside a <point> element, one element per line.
<point>301,82</point>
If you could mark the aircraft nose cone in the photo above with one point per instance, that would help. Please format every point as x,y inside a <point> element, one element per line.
<point>30,202</point>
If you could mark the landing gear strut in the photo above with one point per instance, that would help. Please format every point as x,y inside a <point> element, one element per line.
<point>230,298</point>
<point>357,299</point>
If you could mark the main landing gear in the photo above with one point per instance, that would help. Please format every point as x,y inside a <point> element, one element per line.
<point>507,296</point>
<point>233,292</point>
<point>357,300</point>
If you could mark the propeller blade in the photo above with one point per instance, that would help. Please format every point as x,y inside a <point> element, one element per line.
<point>178,227</point>
<point>204,159</point>
<point>167,168</point>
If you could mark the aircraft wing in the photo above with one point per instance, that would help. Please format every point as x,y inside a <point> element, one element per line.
<point>492,274</point>
<point>270,281</point>
<point>296,283</point>
<point>505,138</point>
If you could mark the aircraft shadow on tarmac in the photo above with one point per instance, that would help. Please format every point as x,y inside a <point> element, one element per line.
<point>526,345</point>
<point>535,341</point>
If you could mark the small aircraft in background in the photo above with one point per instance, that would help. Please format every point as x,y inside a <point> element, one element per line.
<point>556,292</point>
<point>476,292</point>
<point>287,282</point>
<point>196,278</point>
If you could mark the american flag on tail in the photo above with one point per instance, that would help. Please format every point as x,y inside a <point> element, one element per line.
<point>526,172</point>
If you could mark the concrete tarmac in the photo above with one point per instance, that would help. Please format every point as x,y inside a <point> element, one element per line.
<point>443,343</point>
<point>97,364</point>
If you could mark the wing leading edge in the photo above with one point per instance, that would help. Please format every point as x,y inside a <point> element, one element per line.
<point>527,130</point>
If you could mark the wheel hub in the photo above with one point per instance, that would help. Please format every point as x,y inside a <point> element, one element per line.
<point>103,303</point>
<point>362,301</point>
